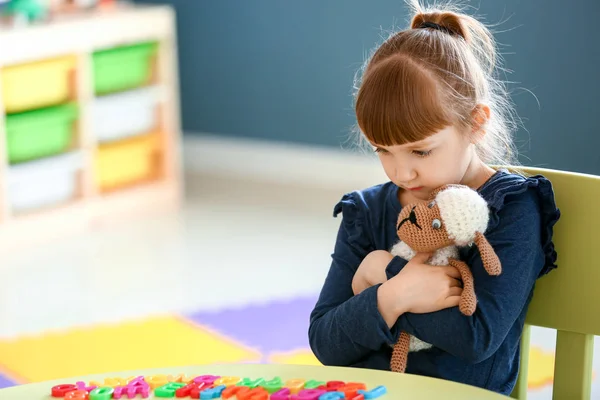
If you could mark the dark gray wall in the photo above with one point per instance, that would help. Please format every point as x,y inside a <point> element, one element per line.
<point>283,70</point>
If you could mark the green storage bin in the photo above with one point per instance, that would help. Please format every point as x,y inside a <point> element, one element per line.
<point>123,68</point>
<point>39,133</point>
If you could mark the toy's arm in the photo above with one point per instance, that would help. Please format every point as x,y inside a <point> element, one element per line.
<point>468,300</point>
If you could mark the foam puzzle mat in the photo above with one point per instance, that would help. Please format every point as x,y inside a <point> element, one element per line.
<point>230,336</point>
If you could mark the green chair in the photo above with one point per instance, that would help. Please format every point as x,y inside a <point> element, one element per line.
<point>568,299</point>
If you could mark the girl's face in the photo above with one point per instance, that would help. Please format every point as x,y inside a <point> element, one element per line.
<point>420,167</point>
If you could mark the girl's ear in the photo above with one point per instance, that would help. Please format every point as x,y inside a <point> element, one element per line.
<point>491,262</point>
<point>479,117</point>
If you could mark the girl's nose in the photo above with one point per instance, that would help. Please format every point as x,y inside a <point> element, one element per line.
<point>405,174</point>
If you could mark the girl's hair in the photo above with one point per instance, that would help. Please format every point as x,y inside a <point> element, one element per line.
<point>431,76</point>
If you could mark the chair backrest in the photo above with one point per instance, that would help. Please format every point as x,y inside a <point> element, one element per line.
<point>568,299</point>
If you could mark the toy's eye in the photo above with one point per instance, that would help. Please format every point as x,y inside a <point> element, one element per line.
<point>436,224</point>
<point>431,205</point>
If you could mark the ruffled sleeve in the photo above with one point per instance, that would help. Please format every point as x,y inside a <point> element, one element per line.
<point>354,225</point>
<point>507,186</point>
<point>345,329</point>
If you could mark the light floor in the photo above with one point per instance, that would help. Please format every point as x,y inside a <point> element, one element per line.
<point>101,301</point>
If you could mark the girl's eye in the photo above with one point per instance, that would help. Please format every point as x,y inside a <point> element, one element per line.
<point>422,153</point>
<point>380,150</point>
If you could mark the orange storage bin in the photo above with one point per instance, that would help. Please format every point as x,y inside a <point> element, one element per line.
<point>127,162</point>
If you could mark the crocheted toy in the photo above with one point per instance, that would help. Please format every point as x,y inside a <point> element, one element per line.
<point>456,216</point>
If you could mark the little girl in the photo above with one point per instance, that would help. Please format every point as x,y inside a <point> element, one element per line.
<point>430,107</point>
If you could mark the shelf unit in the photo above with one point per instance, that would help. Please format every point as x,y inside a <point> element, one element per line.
<point>94,201</point>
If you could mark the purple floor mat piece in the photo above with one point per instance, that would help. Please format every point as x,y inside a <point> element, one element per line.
<point>276,326</point>
<point>5,382</point>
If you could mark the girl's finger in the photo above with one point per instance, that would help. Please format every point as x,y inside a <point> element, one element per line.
<point>451,271</point>
<point>451,301</point>
<point>455,282</point>
<point>421,258</point>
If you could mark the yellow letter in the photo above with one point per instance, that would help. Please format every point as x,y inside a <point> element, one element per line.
<point>227,381</point>
<point>295,385</point>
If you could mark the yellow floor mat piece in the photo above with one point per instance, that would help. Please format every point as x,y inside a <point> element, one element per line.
<point>150,343</point>
<point>302,357</point>
<point>541,368</point>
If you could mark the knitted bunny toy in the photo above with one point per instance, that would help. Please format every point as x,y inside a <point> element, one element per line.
<point>456,216</point>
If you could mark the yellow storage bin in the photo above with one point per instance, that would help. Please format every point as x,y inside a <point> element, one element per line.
<point>38,84</point>
<point>126,162</point>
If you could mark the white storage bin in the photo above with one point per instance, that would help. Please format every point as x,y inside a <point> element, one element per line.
<point>125,114</point>
<point>43,183</point>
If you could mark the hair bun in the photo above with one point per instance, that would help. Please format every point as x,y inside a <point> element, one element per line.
<point>448,22</point>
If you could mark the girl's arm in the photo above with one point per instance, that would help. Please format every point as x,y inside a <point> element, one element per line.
<point>501,299</point>
<point>345,328</point>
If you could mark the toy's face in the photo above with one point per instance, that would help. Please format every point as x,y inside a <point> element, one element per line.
<point>421,227</point>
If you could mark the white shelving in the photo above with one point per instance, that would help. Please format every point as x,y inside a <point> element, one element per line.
<point>151,110</point>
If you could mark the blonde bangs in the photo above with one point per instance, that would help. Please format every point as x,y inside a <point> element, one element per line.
<point>399,102</point>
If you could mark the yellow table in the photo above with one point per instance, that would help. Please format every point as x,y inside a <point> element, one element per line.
<point>399,386</point>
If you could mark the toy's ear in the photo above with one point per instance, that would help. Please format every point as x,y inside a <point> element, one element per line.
<point>490,259</point>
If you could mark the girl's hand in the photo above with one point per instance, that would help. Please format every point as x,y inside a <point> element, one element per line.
<point>371,270</point>
<point>419,288</point>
